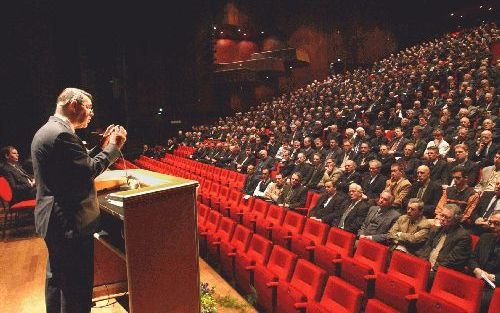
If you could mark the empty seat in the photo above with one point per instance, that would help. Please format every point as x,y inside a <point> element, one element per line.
<point>213,192</point>
<point>495,302</point>
<point>211,225</point>
<point>244,205</point>
<point>257,253</point>
<point>279,268</point>
<point>313,235</point>
<point>292,224</point>
<point>460,289</point>
<point>233,199</point>
<point>368,260</point>
<point>305,285</point>
<point>312,198</point>
<point>222,196</point>
<point>259,211</point>
<point>339,243</point>
<point>228,250</point>
<point>410,269</point>
<point>274,218</point>
<point>428,303</point>
<point>223,233</point>
<point>391,295</point>
<point>338,297</point>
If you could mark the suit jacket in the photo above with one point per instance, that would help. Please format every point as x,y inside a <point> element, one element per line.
<point>340,157</point>
<point>456,249</point>
<point>346,179</point>
<point>294,197</point>
<point>316,176</point>
<point>287,168</point>
<point>250,183</point>
<point>481,207</point>
<point>354,219</point>
<point>438,171</point>
<point>378,224</point>
<point>335,204</point>
<point>485,256</point>
<point>399,190</point>
<point>305,170</point>
<point>373,189</point>
<point>430,197</point>
<point>65,172</point>
<point>486,159</point>
<point>471,168</point>
<point>268,163</point>
<point>19,182</point>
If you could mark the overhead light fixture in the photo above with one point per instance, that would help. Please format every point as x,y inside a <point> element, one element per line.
<point>291,67</point>
<point>239,29</point>
<point>262,32</point>
<point>338,60</point>
<point>490,9</point>
<point>480,6</point>
<point>244,34</point>
<point>215,27</point>
<point>452,14</point>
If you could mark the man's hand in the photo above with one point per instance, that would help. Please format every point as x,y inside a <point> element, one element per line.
<point>118,136</point>
<point>105,136</point>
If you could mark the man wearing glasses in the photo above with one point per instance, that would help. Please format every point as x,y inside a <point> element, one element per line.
<point>67,211</point>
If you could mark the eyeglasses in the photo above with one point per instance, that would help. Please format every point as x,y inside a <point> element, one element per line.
<point>88,107</point>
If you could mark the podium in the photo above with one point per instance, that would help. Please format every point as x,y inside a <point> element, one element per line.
<point>148,246</point>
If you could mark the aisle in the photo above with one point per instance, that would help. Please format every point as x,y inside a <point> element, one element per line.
<point>22,275</point>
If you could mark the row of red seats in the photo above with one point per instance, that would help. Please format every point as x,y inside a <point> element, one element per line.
<point>330,249</point>
<point>184,151</point>
<point>247,259</point>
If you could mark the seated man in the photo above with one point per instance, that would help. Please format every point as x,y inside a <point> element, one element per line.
<point>485,260</point>
<point>379,219</point>
<point>354,212</point>
<point>373,183</point>
<point>251,181</point>
<point>21,183</point>
<point>397,186</point>
<point>332,172</point>
<point>274,189</point>
<point>261,186</point>
<point>317,172</point>
<point>425,190</point>
<point>449,244</point>
<point>489,175</point>
<point>329,203</point>
<point>294,195</point>
<point>411,230</point>
<point>460,194</point>
<point>349,176</point>
<point>487,205</point>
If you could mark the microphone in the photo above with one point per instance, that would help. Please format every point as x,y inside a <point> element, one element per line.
<point>131,181</point>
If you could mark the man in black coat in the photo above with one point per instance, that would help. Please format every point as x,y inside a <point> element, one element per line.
<point>67,211</point>
<point>317,172</point>
<point>294,195</point>
<point>437,166</point>
<point>329,203</point>
<point>462,159</point>
<point>305,169</point>
<point>379,219</point>
<point>456,247</point>
<point>251,180</point>
<point>21,183</point>
<point>425,190</point>
<point>354,212</point>
<point>485,260</point>
<point>487,205</point>
<point>349,176</point>
<point>374,183</point>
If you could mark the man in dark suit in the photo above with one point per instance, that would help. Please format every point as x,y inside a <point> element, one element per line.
<point>374,183</point>
<point>329,203</point>
<point>486,149</point>
<point>349,176</point>
<point>244,160</point>
<point>317,172</point>
<point>487,205</point>
<point>449,245</point>
<point>353,214</point>
<point>379,219</point>
<point>425,190</point>
<point>437,166</point>
<point>251,181</point>
<point>294,195</point>
<point>21,183</point>
<point>305,169</point>
<point>485,260</point>
<point>67,210</point>
<point>398,143</point>
<point>462,159</point>
<point>346,154</point>
<point>286,165</point>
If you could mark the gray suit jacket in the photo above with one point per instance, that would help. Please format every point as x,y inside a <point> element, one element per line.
<point>378,225</point>
<point>64,172</point>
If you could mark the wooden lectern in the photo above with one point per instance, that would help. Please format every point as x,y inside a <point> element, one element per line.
<point>148,244</point>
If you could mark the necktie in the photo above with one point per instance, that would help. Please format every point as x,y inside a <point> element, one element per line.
<point>420,192</point>
<point>491,208</point>
<point>346,213</point>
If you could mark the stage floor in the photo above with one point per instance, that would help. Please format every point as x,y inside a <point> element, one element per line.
<point>22,276</point>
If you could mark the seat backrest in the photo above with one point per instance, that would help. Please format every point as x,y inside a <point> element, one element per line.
<point>259,249</point>
<point>246,205</point>
<point>314,198</point>
<point>232,176</point>
<point>260,208</point>
<point>234,197</point>
<point>241,238</point>
<point>308,279</point>
<point>428,303</point>
<point>282,262</point>
<point>5,190</point>
<point>460,289</point>
<point>294,222</point>
<point>315,231</point>
<point>410,269</point>
<point>341,241</point>
<point>275,214</point>
<point>223,192</point>
<point>372,254</point>
<point>392,291</point>
<point>354,272</point>
<point>226,229</point>
<point>338,292</point>
<point>213,221</point>
<point>202,211</point>
<point>495,301</point>
<point>214,189</point>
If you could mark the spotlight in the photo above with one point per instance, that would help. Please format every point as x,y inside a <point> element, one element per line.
<point>461,16</point>
<point>161,110</point>
<point>452,14</point>
<point>267,77</point>
<point>244,34</point>
<point>338,60</point>
<point>262,32</point>
<point>215,27</point>
<point>239,30</point>
<point>291,67</point>
<point>480,6</point>
<point>490,9</point>
<point>222,33</point>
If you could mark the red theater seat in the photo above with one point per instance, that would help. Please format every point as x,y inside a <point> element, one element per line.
<point>313,235</point>
<point>223,233</point>
<point>274,218</point>
<point>338,297</point>
<point>279,268</point>
<point>228,250</point>
<point>339,243</point>
<point>259,211</point>
<point>293,224</point>
<point>391,295</point>
<point>410,269</point>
